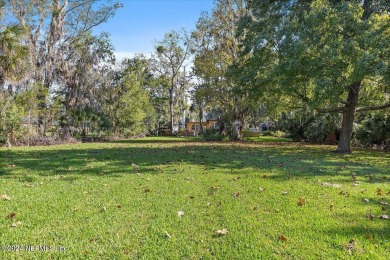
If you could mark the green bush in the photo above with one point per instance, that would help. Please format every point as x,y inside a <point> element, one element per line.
<point>212,135</point>
<point>375,130</point>
<point>267,133</point>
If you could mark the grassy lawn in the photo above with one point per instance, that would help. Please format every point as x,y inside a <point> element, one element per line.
<point>166,198</point>
<point>267,139</point>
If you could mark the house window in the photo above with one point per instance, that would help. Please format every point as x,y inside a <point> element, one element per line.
<point>195,128</point>
<point>214,125</point>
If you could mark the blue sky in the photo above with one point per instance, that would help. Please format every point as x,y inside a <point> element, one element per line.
<point>139,23</point>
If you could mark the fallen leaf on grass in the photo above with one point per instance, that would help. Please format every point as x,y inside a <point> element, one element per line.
<point>301,202</point>
<point>222,232</point>
<point>167,235</point>
<point>236,194</point>
<point>16,224</point>
<point>379,192</point>
<point>11,165</point>
<point>264,176</point>
<point>366,200</point>
<point>384,203</point>
<point>343,192</point>
<point>135,165</point>
<point>261,189</point>
<point>284,193</point>
<point>371,216</point>
<point>180,213</point>
<point>384,216</point>
<point>212,190</point>
<point>351,246</point>
<point>11,215</point>
<point>147,190</point>
<point>103,209</point>
<point>5,197</point>
<point>282,238</point>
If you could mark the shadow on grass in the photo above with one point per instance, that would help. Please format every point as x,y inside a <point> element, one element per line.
<point>148,156</point>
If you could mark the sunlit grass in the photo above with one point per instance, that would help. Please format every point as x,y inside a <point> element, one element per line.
<point>121,200</point>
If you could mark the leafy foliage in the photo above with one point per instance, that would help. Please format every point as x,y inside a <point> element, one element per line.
<point>375,130</point>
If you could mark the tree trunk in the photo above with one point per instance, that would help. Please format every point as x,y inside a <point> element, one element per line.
<point>171,109</point>
<point>200,118</point>
<point>238,122</point>
<point>9,139</point>
<point>344,145</point>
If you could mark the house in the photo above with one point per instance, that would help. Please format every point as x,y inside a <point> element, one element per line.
<point>193,128</point>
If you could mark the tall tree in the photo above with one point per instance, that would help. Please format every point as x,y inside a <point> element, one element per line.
<point>170,59</point>
<point>50,24</point>
<point>332,55</point>
<point>85,76</point>
<point>219,47</point>
<point>13,65</point>
<point>130,108</point>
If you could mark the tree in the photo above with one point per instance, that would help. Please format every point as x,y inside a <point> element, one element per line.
<point>172,53</point>
<point>218,51</point>
<point>331,55</point>
<point>85,75</point>
<point>51,24</point>
<point>13,65</point>
<point>131,108</point>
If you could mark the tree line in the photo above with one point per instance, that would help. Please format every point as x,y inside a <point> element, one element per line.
<point>305,65</point>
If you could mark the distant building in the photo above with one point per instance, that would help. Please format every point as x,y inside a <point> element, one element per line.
<point>193,128</point>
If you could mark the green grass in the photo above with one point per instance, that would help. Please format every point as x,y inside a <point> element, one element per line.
<point>119,200</point>
<point>267,139</point>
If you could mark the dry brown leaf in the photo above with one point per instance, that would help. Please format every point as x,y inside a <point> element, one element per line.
<point>371,216</point>
<point>11,215</point>
<point>147,190</point>
<point>301,202</point>
<point>379,192</point>
<point>282,238</point>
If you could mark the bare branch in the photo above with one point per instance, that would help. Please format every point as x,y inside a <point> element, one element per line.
<point>364,109</point>
<point>331,110</point>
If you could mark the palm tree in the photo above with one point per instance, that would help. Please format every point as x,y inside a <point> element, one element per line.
<point>12,67</point>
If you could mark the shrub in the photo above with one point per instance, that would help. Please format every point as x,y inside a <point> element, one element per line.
<point>375,130</point>
<point>266,133</point>
<point>212,135</point>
